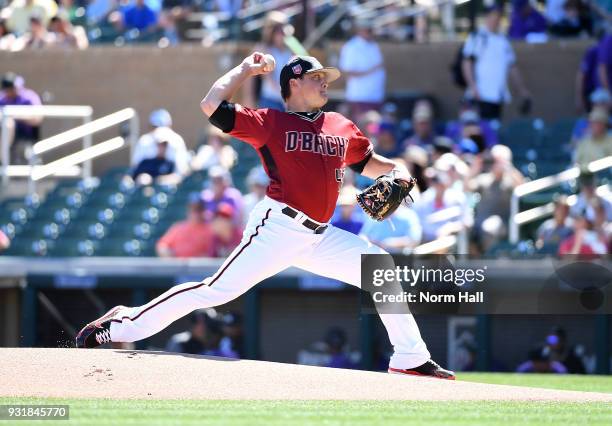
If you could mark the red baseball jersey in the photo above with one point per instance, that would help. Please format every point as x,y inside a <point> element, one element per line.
<point>304,156</point>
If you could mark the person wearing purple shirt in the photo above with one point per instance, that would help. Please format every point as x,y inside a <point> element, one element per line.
<point>15,93</point>
<point>525,20</point>
<point>139,16</point>
<point>604,62</point>
<point>587,80</point>
<point>221,191</point>
<point>468,125</point>
<point>346,216</point>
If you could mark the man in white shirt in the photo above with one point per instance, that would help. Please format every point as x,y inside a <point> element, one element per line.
<point>488,59</point>
<point>362,64</point>
<point>146,147</point>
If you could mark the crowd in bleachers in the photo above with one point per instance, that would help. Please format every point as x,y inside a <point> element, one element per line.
<point>467,168</point>
<point>176,203</point>
<point>33,24</point>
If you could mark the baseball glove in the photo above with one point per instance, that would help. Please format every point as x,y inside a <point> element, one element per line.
<point>384,196</point>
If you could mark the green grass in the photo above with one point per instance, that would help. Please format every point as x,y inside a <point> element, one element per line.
<point>573,382</point>
<point>383,413</point>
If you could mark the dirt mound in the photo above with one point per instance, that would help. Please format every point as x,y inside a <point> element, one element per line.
<point>118,374</point>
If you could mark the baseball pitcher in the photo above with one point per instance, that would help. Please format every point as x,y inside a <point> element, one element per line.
<point>305,152</point>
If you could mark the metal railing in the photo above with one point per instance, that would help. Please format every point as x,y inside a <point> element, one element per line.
<point>66,165</point>
<point>517,218</point>
<point>88,152</point>
<point>83,112</point>
<point>447,242</point>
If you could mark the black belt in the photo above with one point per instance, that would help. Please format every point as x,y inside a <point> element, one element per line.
<point>313,226</point>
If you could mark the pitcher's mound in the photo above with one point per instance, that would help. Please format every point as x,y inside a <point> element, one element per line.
<point>79,373</point>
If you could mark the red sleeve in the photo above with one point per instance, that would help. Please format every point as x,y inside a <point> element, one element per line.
<point>359,147</point>
<point>168,239</point>
<point>252,126</point>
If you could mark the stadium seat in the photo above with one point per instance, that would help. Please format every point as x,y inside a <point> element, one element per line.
<point>522,132</point>
<point>123,247</point>
<point>29,247</point>
<point>73,247</point>
<point>87,229</point>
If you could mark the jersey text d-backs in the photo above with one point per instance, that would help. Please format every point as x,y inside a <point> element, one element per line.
<point>304,154</point>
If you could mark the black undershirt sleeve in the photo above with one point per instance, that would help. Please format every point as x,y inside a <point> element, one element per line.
<point>358,167</point>
<point>224,117</point>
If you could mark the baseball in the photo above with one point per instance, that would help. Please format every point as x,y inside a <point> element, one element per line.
<point>269,62</point>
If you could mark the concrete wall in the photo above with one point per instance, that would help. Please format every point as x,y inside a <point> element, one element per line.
<point>177,78</point>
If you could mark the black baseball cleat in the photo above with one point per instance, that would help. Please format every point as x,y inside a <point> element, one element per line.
<point>97,332</point>
<point>429,369</point>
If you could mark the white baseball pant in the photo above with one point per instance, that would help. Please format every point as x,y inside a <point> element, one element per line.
<point>272,242</point>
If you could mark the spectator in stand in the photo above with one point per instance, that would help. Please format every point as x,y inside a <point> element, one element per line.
<point>570,356</point>
<point>488,59</point>
<point>226,234</point>
<point>333,351</point>
<point>257,181</point>
<point>220,190</point>
<point>268,95</point>
<point>571,24</point>
<point>141,17</point>
<point>441,145</point>
<point>67,36</point>
<point>422,125</point>
<point>385,142</point>
<point>5,242</point>
<point>203,338</point>
<point>471,126</point>
<point>336,341</point>
<point>71,9</point>
<point>495,187</point>
<point>347,217</point>
<point>587,199</point>
<point>586,240</point>
<point>159,169</point>
<point>174,12</point>
<point>7,38</point>
<point>38,37</point>
<point>539,362</point>
<point>160,121</point>
<point>362,64</point>
<point>587,80</point>
<point>604,62</point>
<point>215,152</point>
<point>99,12</point>
<point>400,233</point>
<point>417,160</point>
<point>22,10</point>
<point>233,335</point>
<point>554,11</point>
<point>433,207</point>
<point>526,21</point>
<point>602,225</point>
<point>599,99</point>
<point>190,238</point>
<point>598,143</point>
<point>556,229</point>
<point>22,132</point>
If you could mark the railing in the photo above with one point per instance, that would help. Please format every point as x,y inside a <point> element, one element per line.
<point>31,111</point>
<point>67,165</point>
<point>89,152</point>
<point>447,242</point>
<point>518,219</point>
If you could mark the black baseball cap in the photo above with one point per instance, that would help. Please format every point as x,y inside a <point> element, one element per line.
<point>299,66</point>
<point>9,80</point>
